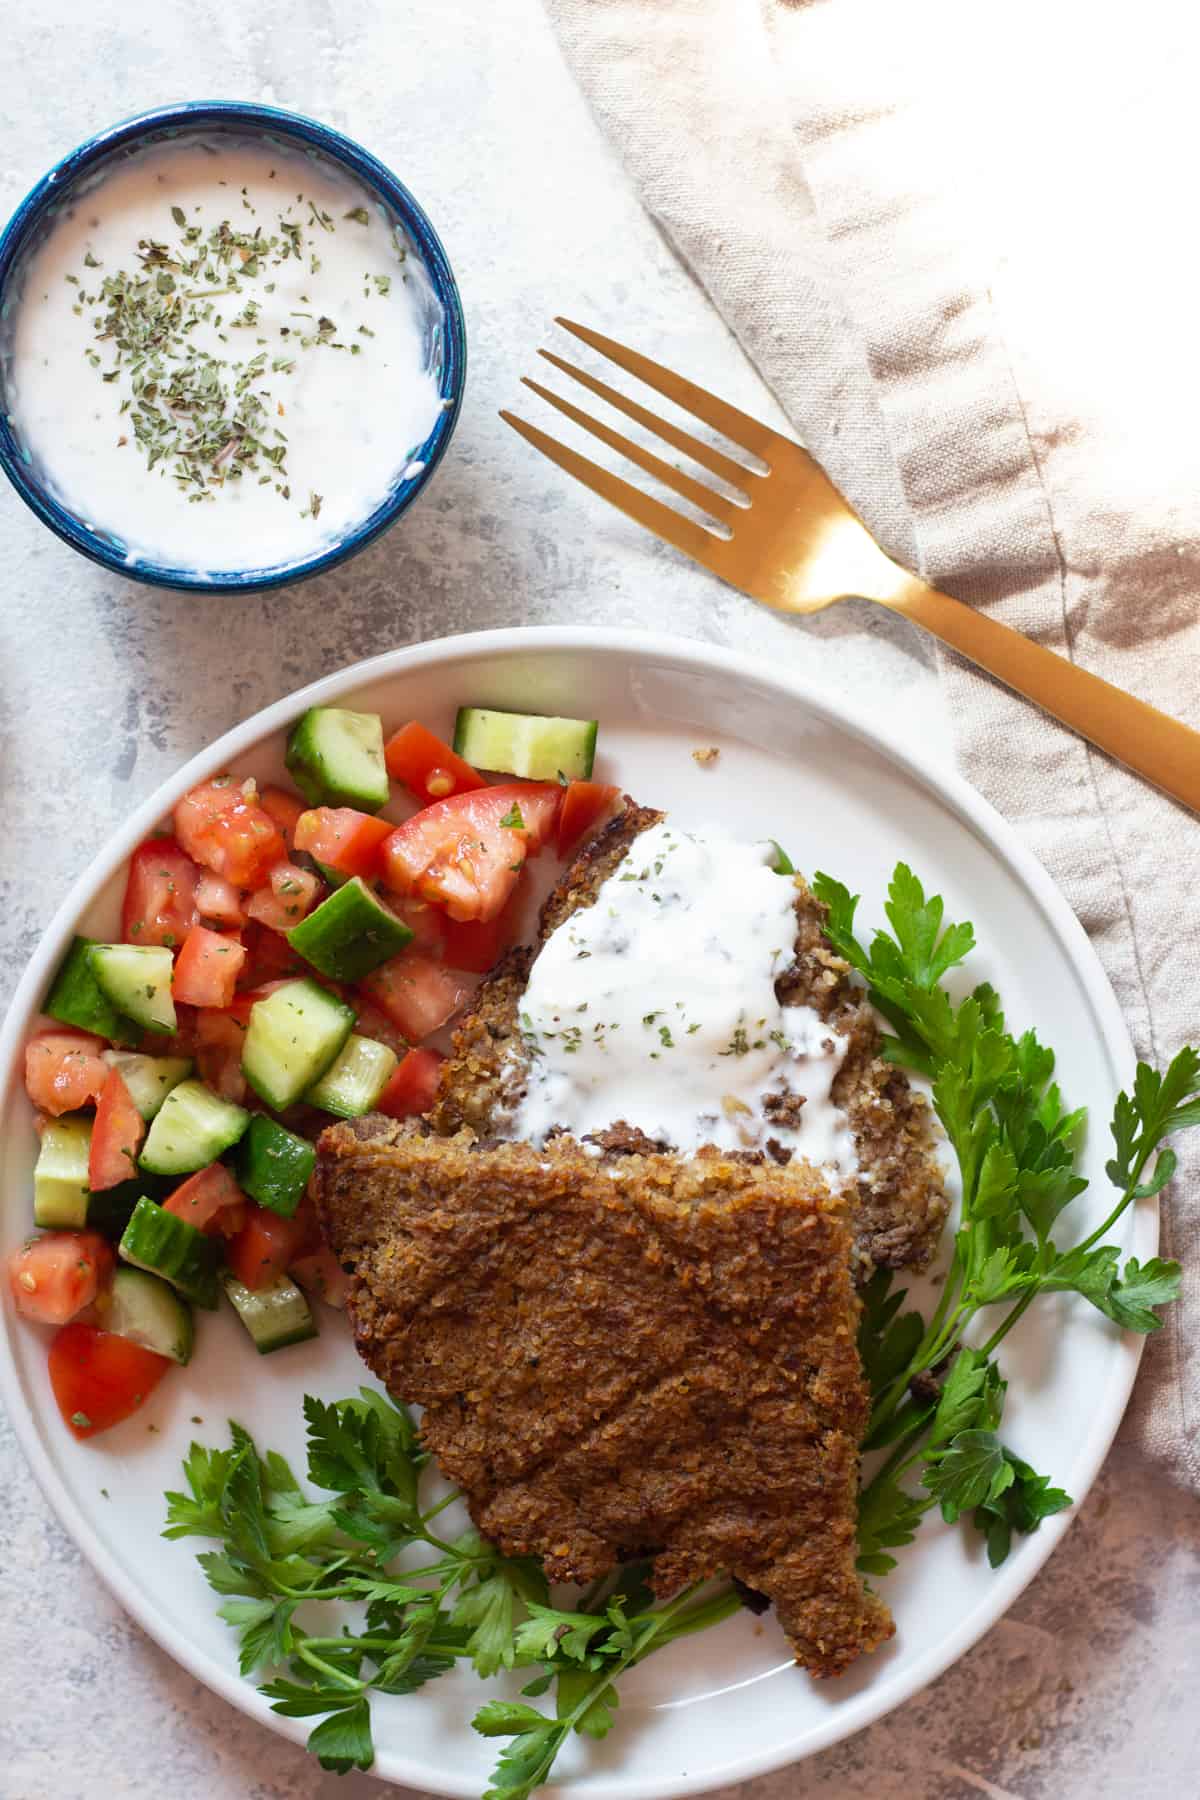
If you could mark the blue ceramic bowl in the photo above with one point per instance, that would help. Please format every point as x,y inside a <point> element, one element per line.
<point>444,332</point>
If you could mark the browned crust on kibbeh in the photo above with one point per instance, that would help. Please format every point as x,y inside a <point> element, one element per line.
<point>643,1355</point>
<point>898,1204</point>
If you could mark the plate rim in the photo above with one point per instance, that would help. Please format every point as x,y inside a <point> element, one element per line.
<point>945,783</point>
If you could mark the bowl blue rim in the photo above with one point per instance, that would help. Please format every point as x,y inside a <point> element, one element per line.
<point>375,175</point>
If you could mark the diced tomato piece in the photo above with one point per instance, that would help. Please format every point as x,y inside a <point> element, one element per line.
<point>413,1087</point>
<point>374,1023</point>
<point>219,903</point>
<point>99,1378</point>
<point>350,842</point>
<point>429,769</point>
<point>267,1245</point>
<point>585,806</point>
<point>204,1196</point>
<point>416,993</point>
<point>207,968</point>
<point>426,922</point>
<point>466,853</point>
<point>307,1227</point>
<point>64,1070</point>
<point>269,957</point>
<point>285,809</point>
<point>221,825</point>
<point>182,1041</point>
<point>160,894</point>
<point>220,1039</point>
<point>478,944</point>
<point>56,1275</point>
<point>322,1274</point>
<point>116,1135</point>
<point>289,893</point>
<point>538,803</point>
<point>230,1220</point>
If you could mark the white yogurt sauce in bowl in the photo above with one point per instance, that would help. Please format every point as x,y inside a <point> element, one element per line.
<point>656,1007</point>
<point>220,354</point>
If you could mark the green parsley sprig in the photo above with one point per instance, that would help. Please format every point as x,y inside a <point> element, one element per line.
<point>460,1600</point>
<point>938,1403</point>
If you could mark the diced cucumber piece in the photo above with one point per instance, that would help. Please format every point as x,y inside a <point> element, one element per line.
<point>162,1244</point>
<point>273,1165</point>
<point>274,1316</point>
<point>147,1310</point>
<point>76,998</point>
<point>525,744</point>
<point>293,1037</point>
<point>336,758</point>
<point>60,1175</point>
<point>193,1126</point>
<point>356,1080</point>
<point>137,979</point>
<point>149,1078</point>
<point>350,933</point>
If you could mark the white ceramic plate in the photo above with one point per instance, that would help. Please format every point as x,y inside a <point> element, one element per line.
<point>794,766</point>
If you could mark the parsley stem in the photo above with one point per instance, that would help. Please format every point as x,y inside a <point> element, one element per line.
<point>450,1498</point>
<point>351,1684</point>
<point>903,1455</point>
<point>721,1605</point>
<point>1010,1319</point>
<point>655,1625</point>
<point>446,1549</point>
<point>937,1344</point>
<point>377,1643</point>
<point>1125,1200</point>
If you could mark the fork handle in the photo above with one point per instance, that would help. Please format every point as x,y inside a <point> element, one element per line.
<point>1162,749</point>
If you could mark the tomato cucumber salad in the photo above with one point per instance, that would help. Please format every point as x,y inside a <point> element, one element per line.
<point>283,958</point>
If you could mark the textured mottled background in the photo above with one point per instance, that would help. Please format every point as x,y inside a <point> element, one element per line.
<point>1089,1687</point>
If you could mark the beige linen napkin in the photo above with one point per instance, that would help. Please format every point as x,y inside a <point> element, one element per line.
<point>956,243</point>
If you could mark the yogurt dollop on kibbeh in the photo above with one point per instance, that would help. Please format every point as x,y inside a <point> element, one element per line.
<point>656,1007</point>
<point>219,354</point>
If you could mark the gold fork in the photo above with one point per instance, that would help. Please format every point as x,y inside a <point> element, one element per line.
<point>794,543</point>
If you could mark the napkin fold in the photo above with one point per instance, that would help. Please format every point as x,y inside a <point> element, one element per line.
<point>925,226</point>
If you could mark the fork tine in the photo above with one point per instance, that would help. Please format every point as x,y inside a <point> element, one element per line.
<point>735,473</point>
<point>738,426</point>
<point>662,520</point>
<point>706,498</point>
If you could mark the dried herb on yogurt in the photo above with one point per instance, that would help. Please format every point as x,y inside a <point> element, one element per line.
<point>209,419</point>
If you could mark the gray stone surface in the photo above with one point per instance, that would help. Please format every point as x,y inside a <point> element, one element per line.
<point>1088,1688</point>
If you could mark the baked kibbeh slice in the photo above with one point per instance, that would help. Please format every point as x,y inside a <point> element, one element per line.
<point>897,1199</point>
<point>625,1356</point>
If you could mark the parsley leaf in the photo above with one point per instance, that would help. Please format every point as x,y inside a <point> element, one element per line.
<point>488,1607</point>
<point>1021,1506</point>
<point>1128,1298</point>
<point>887,1338</point>
<point>888,1519</point>
<point>526,1762</point>
<point>971,1471</point>
<point>343,1741</point>
<point>547,1633</point>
